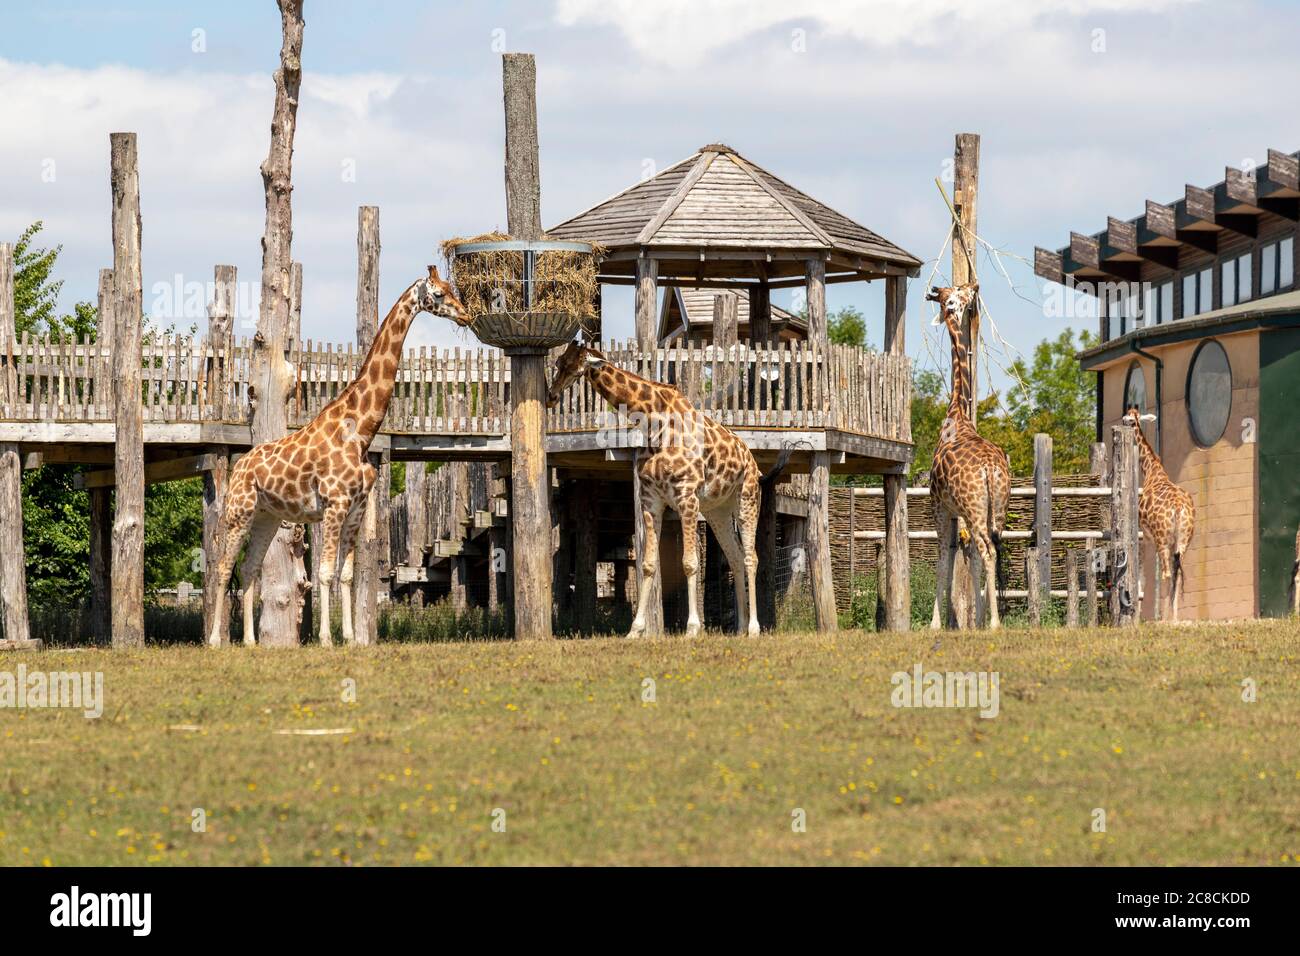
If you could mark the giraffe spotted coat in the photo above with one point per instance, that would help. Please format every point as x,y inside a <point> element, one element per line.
<point>1166,513</point>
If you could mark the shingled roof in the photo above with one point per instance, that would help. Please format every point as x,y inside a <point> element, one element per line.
<point>715,204</point>
<point>696,305</point>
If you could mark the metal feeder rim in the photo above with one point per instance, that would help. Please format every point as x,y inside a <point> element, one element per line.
<point>520,245</point>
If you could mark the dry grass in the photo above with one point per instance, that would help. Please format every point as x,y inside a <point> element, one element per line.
<point>488,282</point>
<point>1149,725</point>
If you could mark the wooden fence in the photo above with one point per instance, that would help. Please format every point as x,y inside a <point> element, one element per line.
<point>466,391</point>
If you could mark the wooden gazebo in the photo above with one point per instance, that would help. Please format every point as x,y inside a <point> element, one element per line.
<point>717,221</point>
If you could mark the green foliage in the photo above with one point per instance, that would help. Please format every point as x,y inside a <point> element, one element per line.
<point>847,327</point>
<point>173,531</point>
<point>862,605</point>
<point>56,536</point>
<point>36,293</point>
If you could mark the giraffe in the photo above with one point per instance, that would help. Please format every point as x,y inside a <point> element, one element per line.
<point>320,472</point>
<point>1166,513</point>
<point>970,477</point>
<point>695,466</point>
<point>1295,576</point>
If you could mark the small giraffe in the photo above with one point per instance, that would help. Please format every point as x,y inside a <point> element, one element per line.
<point>320,472</point>
<point>1295,576</point>
<point>694,466</point>
<point>1166,513</point>
<point>970,477</point>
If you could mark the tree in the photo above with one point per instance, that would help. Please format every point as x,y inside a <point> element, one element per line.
<point>847,327</point>
<point>36,294</point>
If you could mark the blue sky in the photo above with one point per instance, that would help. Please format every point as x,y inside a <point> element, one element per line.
<point>1086,108</point>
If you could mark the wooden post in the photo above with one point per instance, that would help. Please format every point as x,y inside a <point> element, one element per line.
<point>101,499</point>
<point>221,319</point>
<point>13,568</point>
<point>366,558</point>
<point>1126,577</point>
<point>497,563</point>
<point>647,298</point>
<point>726,319</point>
<point>128,457</point>
<point>1071,587</point>
<point>897,578</point>
<point>1043,512</point>
<point>1033,586</point>
<point>818,532</point>
<point>270,376</point>
<point>585,556</point>
<point>295,304</point>
<point>760,336</point>
<point>1090,582</point>
<point>530,506</point>
<point>964,255</point>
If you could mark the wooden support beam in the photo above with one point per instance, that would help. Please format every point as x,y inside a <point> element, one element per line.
<point>584,555</point>
<point>646,306</point>
<point>13,568</point>
<point>456,547</point>
<point>1071,587</point>
<point>897,574</point>
<point>965,255</point>
<point>1033,586</point>
<point>818,545</point>
<point>654,616</point>
<point>370,545</point>
<point>1043,509</point>
<point>128,524</point>
<point>155,472</point>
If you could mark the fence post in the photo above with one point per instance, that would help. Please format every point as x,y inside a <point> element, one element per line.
<point>1043,513</point>
<point>1033,585</point>
<point>1071,587</point>
<point>1126,578</point>
<point>1090,582</point>
<point>13,571</point>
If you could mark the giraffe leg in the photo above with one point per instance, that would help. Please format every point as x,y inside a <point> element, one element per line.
<point>748,521</point>
<point>725,531</point>
<point>260,537</point>
<point>943,568</point>
<point>652,512</point>
<point>336,513</point>
<point>689,509</point>
<point>988,558</point>
<point>347,555</point>
<point>234,528</point>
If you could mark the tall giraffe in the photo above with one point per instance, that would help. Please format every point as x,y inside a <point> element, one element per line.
<point>695,466</point>
<point>320,472</point>
<point>1166,513</point>
<point>970,477</point>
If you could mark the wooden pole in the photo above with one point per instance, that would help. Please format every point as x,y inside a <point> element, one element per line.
<point>760,336</point>
<point>221,316</point>
<point>647,298</point>
<point>1043,512</point>
<point>1033,586</point>
<point>818,534</point>
<point>271,377</point>
<point>1090,583</point>
<point>128,458</point>
<point>295,304</point>
<point>898,586</point>
<point>585,555</point>
<point>530,506</point>
<point>1071,587</point>
<point>101,499</point>
<point>966,158</point>
<point>1126,577</point>
<point>366,557</point>
<point>13,568</point>
<point>654,615</point>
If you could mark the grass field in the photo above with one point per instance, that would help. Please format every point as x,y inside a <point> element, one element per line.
<point>1148,725</point>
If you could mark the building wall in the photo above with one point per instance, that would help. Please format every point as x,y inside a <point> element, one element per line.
<point>1222,564</point>
<point>1279,467</point>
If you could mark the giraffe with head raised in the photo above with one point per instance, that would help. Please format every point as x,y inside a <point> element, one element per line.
<point>970,477</point>
<point>1166,513</point>
<point>320,472</point>
<point>694,466</point>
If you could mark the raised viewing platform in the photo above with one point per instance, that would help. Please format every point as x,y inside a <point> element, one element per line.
<point>453,403</point>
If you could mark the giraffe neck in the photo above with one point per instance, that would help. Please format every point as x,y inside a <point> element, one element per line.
<point>366,399</point>
<point>959,403</point>
<point>621,388</point>
<point>1149,462</point>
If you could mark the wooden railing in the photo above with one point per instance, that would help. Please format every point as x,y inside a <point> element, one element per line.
<point>464,390</point>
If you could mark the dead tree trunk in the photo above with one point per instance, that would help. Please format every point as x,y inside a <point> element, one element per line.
<point>128,523</point>
<point>365,561</point>
<point>101,499</point>
<point>819,477</point>
<point>966,168</point>
<point>271,377</point>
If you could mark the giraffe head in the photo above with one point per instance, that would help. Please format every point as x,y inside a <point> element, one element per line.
<point>573,361</point>
<point>435,296</point>
<point>953,302</point>
<point>1137,419</point>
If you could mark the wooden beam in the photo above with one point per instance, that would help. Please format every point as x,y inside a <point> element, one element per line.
<point>966,156</point>
<point>128,524</point>
<point>647,298</point>
<point>1048,265</point>
<point>370,546</point>
<point>1126,574</point>
<point>155,472</point>
<point>13,567</point>
<point>214,501</point>
<point>897,571</point>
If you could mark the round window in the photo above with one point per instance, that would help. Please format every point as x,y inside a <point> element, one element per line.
<point>1209,393</point>
<point>1135,389</point>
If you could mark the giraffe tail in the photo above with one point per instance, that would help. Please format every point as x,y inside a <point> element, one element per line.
<point>1176,576</point>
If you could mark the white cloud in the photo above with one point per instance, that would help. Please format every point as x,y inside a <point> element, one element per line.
<point>680,32</point>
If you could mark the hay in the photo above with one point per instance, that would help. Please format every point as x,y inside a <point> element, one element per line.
<point>492,282</point>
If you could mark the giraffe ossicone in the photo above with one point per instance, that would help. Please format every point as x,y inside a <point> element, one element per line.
<point>320,472</point>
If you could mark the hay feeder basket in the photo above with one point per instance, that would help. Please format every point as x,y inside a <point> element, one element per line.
<point>522,317</point>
